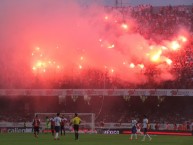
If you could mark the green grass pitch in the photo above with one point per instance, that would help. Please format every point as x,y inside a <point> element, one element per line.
<point>90,139</point>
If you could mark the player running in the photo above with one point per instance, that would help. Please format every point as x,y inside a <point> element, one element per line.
<point>138,126</point>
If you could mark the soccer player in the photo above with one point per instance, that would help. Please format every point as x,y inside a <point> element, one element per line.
<point>57,121</point>
<point>62,124</point>
<point>138,129</point>
<point>133,129</point>
<point>76,122</point>
<point>36,125</point>
<point>52,125</point>
<point>145,129</point>
<point>47,124</point>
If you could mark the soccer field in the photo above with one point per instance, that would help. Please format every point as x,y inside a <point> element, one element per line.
<point>91,139</point>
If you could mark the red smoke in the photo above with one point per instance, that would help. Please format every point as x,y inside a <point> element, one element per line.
<point>48,40</point>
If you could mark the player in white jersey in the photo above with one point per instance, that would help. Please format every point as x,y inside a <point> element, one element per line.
<point>133,129</point>
<point>145,128</point>
<point>57,121</point>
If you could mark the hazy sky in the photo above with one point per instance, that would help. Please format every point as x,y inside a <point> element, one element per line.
<point>130,2</point>
<point>137,2</point>
<point>157,2</point>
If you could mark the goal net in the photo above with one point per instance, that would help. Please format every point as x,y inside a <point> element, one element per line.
<point>87,123</point>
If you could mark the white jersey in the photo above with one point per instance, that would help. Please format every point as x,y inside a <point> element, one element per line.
<point>57,121</point>
<point>133,122</point>
<point>145,122</point>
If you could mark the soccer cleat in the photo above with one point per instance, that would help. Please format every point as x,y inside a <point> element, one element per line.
<point>130,138</point>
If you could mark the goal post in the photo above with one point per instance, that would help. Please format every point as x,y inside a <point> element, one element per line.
<point>88,119</point>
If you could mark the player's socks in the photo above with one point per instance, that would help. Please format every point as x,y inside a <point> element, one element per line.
<point>131,137</point>
<point>149,137</point>
<point>135,136</point>
<point>56,135</point>
<point>76,136</point>
<point>144,138</point>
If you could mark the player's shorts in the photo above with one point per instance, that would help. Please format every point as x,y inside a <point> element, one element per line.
<point>144,130</point>
<point>76,127</point>
<point>57,128</point>
<point>52,127</point>
<point>62,127</point>
<point>36,128</point>
<point>133,130</point>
